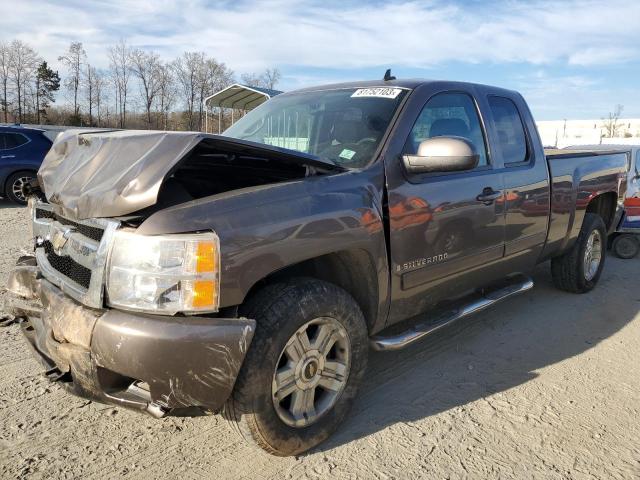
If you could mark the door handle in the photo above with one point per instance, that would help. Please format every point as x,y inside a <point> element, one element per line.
<point>488,196</point>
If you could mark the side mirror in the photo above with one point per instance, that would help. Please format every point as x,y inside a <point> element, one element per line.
<point>442,154</point>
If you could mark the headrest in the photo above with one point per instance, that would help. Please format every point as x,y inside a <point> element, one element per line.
<point>348,131</point>
<point>449,127</point>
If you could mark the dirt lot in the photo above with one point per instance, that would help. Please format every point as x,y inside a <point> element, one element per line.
<point>545,385</point>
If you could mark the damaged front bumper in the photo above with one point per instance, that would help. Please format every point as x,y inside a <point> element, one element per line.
<point>144,362</point>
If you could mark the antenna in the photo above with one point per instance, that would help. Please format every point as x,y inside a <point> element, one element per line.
<point>388,76</point>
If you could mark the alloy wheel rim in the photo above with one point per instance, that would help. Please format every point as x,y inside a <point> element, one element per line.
<point>592,255</point>
<point>311,372</point>
<point>16,188</point>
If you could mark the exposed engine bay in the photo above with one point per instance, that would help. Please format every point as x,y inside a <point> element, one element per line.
<point>210,170</point>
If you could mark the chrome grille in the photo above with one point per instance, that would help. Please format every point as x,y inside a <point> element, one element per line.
<point>72,254</point>
<point>67,266</point>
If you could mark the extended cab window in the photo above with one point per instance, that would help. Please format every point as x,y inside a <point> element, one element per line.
<point>512,140</point>
<point>449,115</point>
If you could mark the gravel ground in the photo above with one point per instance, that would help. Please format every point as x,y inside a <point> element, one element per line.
<point>545,385</point>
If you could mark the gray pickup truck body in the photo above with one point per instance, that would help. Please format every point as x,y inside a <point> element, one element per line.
<point>401,244</point>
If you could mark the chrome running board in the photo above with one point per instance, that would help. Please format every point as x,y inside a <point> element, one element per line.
<point>479,302</point>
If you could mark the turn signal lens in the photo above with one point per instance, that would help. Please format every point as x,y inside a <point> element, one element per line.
<point>203,294</point>
<point>206,257</point>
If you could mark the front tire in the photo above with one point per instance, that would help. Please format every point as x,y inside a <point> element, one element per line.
<point>303,369</point>
<point>13,187</point>
<point>579,269</point>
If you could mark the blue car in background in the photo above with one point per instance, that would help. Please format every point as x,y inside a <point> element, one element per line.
<point>21,153</point>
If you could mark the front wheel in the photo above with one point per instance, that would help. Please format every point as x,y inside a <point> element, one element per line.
<point>579,269</point>
<point>302,372</point>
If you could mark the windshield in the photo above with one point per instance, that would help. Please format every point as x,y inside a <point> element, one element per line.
<point>343,126</point>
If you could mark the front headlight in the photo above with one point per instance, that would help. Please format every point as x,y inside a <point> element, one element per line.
<point>164,274</point>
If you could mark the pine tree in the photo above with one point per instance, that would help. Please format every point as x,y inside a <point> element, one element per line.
<point>47,83</point>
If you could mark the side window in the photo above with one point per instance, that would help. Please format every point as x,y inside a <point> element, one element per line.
<point>512,140</point>
<point>13,140</point>
<point>449,115</point>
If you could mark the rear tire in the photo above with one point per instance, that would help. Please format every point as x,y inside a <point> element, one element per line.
<point>262,407</point>
<point>13,187</point>
<point>575,271</point>
<point>625,246</point>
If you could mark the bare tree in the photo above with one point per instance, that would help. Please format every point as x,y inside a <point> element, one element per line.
<point>74,59</point>
<point>120,62</point>
<point>146,66</point>
<point>271,77</point>
<point>166,93</point>
<point>187,70</point>
<point>212,77</point>
<point>24,62</point>
<point>99,93</point>
<point>251,79</point>
<point>170,94</point>
<point>89,82</point>
<point>611,124</point>
<point>267,79</point>
<point>5,70</point>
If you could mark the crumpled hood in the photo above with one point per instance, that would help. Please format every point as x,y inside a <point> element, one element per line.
<point>107,173</point>
<point>110,173</point>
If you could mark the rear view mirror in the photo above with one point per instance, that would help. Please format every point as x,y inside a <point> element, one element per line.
<point>442,154</point>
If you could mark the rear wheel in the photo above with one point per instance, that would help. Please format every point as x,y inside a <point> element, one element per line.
<point>15,185</point>
<point>579,269</point>
<point>625,245</point>
<point>302,372</point>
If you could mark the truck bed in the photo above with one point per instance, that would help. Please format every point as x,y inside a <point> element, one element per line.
<point>576,177</point>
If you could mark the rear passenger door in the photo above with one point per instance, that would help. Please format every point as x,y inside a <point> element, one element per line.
<point>527,198</point>
<point>446,229</point>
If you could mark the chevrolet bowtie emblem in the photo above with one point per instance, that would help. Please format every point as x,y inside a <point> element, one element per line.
<point>59,239</point>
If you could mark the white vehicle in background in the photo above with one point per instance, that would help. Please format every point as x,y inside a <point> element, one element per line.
<point>625,241</point>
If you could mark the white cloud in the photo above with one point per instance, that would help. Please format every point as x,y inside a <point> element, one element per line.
<point>552,96</point>
<point>252,34</point>
<point>603,55</point>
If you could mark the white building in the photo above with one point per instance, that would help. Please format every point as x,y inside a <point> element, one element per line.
<point>561,133</point>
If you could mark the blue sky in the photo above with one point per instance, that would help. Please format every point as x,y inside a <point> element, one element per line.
<point>571,59</point>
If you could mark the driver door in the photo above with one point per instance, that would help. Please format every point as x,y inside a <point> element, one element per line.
<point>447,229</point>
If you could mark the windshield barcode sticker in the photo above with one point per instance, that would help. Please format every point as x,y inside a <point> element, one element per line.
<point>380,92</point>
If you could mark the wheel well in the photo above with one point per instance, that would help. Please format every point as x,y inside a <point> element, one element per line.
<point>605,206</point>
<point>351,270</point>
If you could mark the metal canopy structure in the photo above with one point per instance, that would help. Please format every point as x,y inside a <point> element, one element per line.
<point>236,97</point>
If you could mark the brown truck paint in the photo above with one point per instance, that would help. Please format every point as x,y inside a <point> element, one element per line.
<point>400,243</point>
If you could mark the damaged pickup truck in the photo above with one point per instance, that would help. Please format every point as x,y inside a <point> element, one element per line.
<point>250,273</point>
